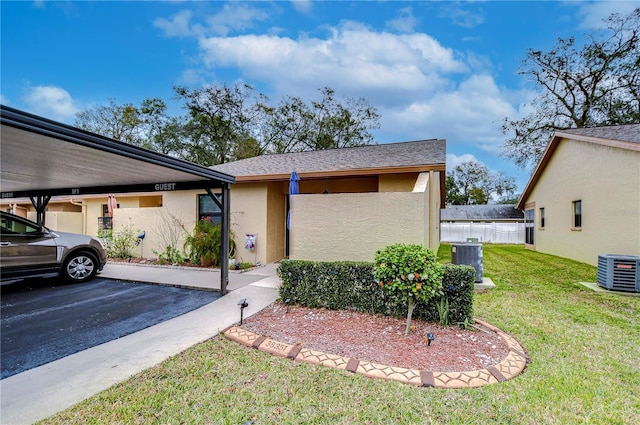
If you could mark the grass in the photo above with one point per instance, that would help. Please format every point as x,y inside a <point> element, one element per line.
<point>585,368</point>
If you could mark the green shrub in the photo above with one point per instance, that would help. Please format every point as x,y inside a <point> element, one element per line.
<point>410,273</point>
<point>458,288</point>
<point>352,285</point>
<point>121,244</point>
<point>170,256</point>
<point>204,244</point>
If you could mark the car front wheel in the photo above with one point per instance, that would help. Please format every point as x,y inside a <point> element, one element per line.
<point>80,266</point>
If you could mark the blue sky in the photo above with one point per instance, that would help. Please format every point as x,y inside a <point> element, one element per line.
<point>432,69</point>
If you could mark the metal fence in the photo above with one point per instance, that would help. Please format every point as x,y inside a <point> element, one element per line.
<point>509,233</point>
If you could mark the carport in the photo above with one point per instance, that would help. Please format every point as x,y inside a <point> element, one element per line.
<point>41,158</point>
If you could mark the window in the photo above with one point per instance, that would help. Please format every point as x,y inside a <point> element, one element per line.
<point>208,209</point>
<point>15,226</point>
<point>577,214</point>
<point>528,226</point>
<point>542,218</point>
<point>105,222</point>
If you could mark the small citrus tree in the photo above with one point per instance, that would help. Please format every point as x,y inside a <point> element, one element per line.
<point>408,272</point>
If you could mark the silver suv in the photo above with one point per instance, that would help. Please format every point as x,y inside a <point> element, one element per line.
<point>30,250</point>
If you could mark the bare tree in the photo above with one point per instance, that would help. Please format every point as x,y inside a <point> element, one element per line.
<point>593,85</point>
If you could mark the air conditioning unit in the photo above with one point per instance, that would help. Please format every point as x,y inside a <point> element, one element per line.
<point>469,254</point>
<point>619,272</point>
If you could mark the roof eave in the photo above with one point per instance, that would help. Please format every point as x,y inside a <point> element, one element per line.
<point>341,173</point>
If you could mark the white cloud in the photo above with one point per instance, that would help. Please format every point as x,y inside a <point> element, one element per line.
<point>51,102</point>
<point>302,6</point>
<point>592,14</point>
<point>454,160</point>
<point>421,88</point>
<point>463,17</point>
<point>178,25</point>
<point>404,21</point>
<point>235,17</point>
<point>471,112</point>
<point>232,17</point>
<point>352,59</point>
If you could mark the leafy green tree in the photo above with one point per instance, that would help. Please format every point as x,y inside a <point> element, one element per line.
<point>340,125</point>
<point>409,273</point>
<point>219,119</point>
<point>119,122</point>
<point>579,86</point>
<point>472,183</point>
<point>284,127</point>
<point>328,123</point>
<point>148,126</point>
<point>226,123</point>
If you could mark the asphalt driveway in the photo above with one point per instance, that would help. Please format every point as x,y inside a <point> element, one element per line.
<point>43,321</point>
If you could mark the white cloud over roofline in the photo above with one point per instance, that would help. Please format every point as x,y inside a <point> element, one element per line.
<point>418,85</point>
<point>52,102</point>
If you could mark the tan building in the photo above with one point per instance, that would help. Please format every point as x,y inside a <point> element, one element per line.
<point>352,202</point>
<point>583,198</point>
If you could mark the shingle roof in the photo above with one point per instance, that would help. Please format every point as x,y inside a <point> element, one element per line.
<point>622,133</point>
<point>480,212</point>
<point>423,153</point>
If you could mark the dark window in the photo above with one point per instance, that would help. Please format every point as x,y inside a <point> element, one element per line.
<point>542,218</point>
<point>577,214</point>
<point>529,225</point>
<point>208,209</point>
<point>105,222</point>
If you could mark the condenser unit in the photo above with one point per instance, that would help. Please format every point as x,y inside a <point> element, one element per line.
<point>469,254</point>
<point>619,272</point>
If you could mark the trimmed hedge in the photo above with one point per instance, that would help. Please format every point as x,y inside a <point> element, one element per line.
<point>351,285</point>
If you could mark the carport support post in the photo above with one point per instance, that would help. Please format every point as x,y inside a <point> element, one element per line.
<point>224,260</point>
<point>40,203</point>
<point>226,218</point>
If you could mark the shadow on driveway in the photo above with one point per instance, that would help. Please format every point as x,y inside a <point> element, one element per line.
<point>43,320</point>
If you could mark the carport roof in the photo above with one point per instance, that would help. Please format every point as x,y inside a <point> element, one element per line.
<point>41,157</point>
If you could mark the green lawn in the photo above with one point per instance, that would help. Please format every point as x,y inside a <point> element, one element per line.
<point>585,368</point>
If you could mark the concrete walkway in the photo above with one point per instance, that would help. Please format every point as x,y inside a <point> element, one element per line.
<point>43,391</point>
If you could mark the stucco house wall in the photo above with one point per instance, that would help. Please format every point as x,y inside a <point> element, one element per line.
<point>350,203</point>
<point>374,195</point>
<point>63,221</point>
<point>353,226</point>
<point>605,177</point>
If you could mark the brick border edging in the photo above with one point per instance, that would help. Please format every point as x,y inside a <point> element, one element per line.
<point>510,367</point>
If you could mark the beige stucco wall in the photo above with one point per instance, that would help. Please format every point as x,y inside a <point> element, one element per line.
<point>138,220</point>
<point>353,226</point>
<point>63,221</point>
<point>249,215</point>
<point>249,205</point>
<point>93,208</point>
<point>435,206</point>
<point>607,180</point>
<point>276,221</point>
<point>400,212</point>
<point>397,182</point>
